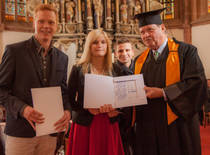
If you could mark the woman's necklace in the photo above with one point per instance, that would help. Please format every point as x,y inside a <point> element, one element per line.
<point>97,71</point>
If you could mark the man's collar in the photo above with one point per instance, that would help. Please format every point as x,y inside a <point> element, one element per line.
<point>160,49</point>
<point>39,46</point>
<point>121,64</point>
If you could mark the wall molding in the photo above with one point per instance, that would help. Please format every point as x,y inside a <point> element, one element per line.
<point>203,20</point>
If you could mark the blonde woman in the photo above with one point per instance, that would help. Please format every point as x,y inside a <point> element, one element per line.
<point>94,131</point>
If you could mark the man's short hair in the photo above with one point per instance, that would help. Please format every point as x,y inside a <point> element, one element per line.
<point>123,40</point>
<point>45,7</point>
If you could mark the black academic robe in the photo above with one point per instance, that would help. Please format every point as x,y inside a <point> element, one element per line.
<point>153,135</point>
<point>207,104</point>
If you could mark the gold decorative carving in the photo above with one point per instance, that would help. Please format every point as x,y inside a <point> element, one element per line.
<point>90,23</point>
<point>109,23</point>
<point>57,5</point>
<point>59,29</point>
<point>31,4</point>
<point>125,28</point>
<point>71,28</point>
<point>131,6</point>
<point>155,5</point>
<point>137,8</point>
<point>70,11</point>
<point>124,12</point>
<point>80,27</point>
<point>98,12</point>
<point>78,17</point>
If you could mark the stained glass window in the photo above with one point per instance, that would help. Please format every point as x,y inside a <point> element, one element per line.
<point>21,10</point>
<point>208,6</point>
<point>169,12</point>
<point>10,10</point>
<point>16,10</point>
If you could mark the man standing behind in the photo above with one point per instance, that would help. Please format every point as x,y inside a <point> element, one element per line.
<point>124,53</point>
<point>176,89</point>
<point>125,66</point>
<point>33,63</point>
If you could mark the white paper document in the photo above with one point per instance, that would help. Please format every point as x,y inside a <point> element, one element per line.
<point>49,102</point>
<point>123,91</point>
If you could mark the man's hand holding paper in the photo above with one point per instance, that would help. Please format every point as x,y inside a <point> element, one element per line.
<point>48,101</point>
<point>33,116</point>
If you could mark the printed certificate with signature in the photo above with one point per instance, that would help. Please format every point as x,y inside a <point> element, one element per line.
<point>123,91</point>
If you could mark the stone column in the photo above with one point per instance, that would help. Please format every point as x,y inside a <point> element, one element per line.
<point>147,5</point>
<point>117,16</point>
<point>62,9</point>
<point>89,16</point>
<point>117,11</point>
<point>79,10</point>
<point>80,26</point>
<point>108,15</point>
<point>108,9</point>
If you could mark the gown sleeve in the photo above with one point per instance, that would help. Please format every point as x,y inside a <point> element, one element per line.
<point>187,96</point>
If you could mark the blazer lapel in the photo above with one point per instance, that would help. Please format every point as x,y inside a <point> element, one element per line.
<point>31,50</point>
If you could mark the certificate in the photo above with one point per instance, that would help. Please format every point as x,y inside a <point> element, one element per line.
<point>48,101</point>
<point>123,91</point>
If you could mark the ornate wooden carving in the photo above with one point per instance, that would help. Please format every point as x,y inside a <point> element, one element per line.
<point>78,17</point>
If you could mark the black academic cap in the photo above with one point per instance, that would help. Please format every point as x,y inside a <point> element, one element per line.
<point>150,17</point>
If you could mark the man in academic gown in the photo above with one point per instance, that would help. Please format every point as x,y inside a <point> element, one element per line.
<point>207,105</point>
<point>206,109</point>
<point>175,87</point>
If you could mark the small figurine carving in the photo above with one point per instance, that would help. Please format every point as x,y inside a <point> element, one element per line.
<point>137,7</point>
<point>124,13</point>
<point>56,4</point>
<point>155,4</point>
<point>98,12</point>
<point>131,6</point>
<point>30,6</point>
<point>70,11</point>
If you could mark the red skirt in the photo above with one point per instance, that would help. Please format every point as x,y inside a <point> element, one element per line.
<point>100,138</point>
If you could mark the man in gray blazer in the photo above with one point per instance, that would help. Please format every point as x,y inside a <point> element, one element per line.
<point>33,63</point>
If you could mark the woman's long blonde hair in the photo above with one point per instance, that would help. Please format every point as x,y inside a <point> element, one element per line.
<point>85,59</point>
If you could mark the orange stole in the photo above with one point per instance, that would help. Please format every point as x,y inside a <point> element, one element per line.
<point>172,73</point>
